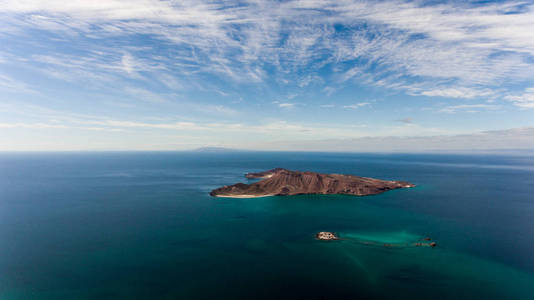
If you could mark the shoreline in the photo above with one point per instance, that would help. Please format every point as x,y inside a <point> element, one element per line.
<point>241,196</point>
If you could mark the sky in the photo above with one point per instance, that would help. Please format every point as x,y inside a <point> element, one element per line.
<point>318,75</point>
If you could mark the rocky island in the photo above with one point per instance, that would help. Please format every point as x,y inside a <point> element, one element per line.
<point>281,182</point>
<point>326,236</point>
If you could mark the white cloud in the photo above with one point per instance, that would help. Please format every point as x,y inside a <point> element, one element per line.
<point>286,105</point>
<point>219,110</point>
<point>329,90</point>
<point>32,125</point>
<point>461,92</point>
<point>144,94</point>
<point>266,130</point>
<point>11,85</point>
<point>129,65</point>
<point>471,108</point>
<point>356,105</point>
<point>524,100</point>
<point>54,125</point>
<point>451,50</point>
<point>511,139</point>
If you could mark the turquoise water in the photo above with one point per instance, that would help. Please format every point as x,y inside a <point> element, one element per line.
<point>142,226</point>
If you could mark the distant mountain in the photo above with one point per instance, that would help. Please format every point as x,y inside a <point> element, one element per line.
<point>214,149</point>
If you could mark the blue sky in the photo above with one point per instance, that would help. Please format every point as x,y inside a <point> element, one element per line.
<point>274,75</point>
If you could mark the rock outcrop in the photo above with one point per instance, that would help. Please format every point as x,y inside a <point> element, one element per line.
<point>326,236</point>
<point>279,182</point>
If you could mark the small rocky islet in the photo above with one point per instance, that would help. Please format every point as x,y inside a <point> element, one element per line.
<point>331,236</point>
<point>283,182</point>
<point>326,236</point>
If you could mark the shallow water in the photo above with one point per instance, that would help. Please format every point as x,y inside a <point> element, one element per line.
<point>142,225</point>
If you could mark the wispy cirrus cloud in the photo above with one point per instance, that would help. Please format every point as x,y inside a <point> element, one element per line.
<point>12,85</point>
<point>470,108</point>
<point>286,105</point>
<point>356,105</point>
<point>449,50</point>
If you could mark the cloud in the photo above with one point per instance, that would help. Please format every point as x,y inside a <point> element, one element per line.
<point>144,94</point>
<point>286,105</point>
<point>129,65</point>
<point>161,52</point>
<point>461,92</point>
<point>155,133</point>
<point>510,139</point>
<point>53,125</point>
<point>471,108</point>
<point>327,106</point>
<point>524,100</point>
<point>356,105</point>
<point>405,120</point>
<point>11,85</point>
<point>32,125</point>
<point>328,90</point>
<point>266,130</point>
<point>454,50</point>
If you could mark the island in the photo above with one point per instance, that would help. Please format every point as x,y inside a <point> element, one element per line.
<point>326,236</point>
<point>282,182</point>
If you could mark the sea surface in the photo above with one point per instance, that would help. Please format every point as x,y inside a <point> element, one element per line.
<point>141,225</point>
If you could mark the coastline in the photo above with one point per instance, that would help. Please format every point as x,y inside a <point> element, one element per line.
<point>242,196</point>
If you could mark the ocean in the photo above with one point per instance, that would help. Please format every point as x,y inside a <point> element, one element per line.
<point>141,225</point>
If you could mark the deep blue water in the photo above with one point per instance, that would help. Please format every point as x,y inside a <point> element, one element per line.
<point>142,225</point>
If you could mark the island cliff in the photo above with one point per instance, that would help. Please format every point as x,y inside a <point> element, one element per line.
<point>285,182</point>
